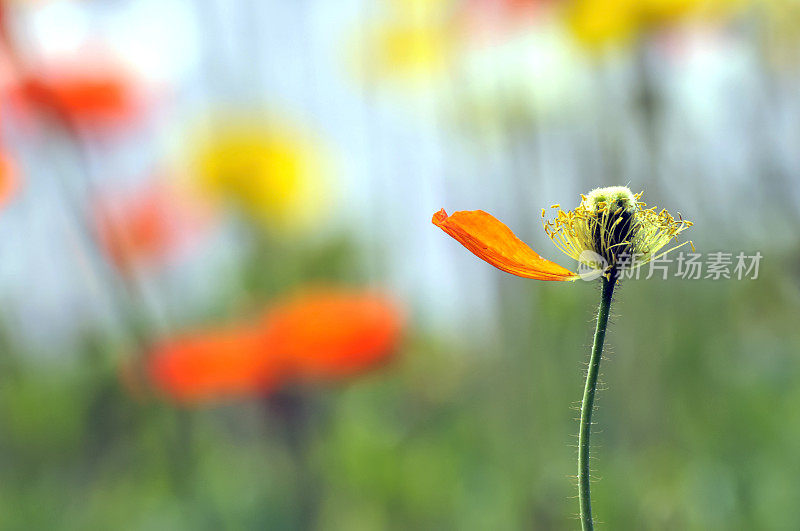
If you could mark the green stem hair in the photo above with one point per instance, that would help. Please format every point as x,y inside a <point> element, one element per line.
<point>587,405</point>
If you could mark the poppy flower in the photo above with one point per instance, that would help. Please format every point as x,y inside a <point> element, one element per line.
<point>597,23</point>
<point>412,46</point>
<point>318,336</point>
<point>410,50</point>
<point>145,227</point>
<point>96,98</point>
<point>269,169</point>
<point>327,335</point>
<point>609,226</point>
<point>209,365</point>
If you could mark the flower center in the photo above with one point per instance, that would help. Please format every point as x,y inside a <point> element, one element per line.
<point>612,221</point>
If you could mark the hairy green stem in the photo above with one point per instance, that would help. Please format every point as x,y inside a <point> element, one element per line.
<point>587,405</point>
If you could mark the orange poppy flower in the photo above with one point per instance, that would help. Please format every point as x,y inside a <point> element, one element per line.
<point>491,241</point>
<point>214,365</point>
<point>146,227</point>
<point>88,98</point>
<point>321,335</point>
<point>330,334</point>
<point>609,228</point>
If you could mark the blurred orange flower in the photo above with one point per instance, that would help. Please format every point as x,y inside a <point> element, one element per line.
<point>214,364</point>
<point>95,98</point>
<point>320,336</point>
<point>326,335</point>
<point>145,227</point>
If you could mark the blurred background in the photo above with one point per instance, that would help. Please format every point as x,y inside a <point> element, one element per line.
<point>223,304</point>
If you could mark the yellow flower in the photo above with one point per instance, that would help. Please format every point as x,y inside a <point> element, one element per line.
<point>268,168</point>
<point>408,50</point>
<point>598,23</point>
<point>412,43</point>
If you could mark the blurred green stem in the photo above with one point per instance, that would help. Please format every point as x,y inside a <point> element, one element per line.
<point>587,406</point>
<point>294,410</point>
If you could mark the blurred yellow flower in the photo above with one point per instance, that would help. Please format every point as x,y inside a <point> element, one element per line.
<point>408,49</point>
<point>413,42</point>
<point>598,23</point>
<point>664,11</point>
<point>269,169</point>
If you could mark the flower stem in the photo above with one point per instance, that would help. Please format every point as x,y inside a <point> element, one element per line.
<point>587,406</point>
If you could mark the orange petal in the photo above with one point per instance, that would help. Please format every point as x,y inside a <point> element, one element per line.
<point>331,334</point>
<point>213,365</point>
<point>491,241</point>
